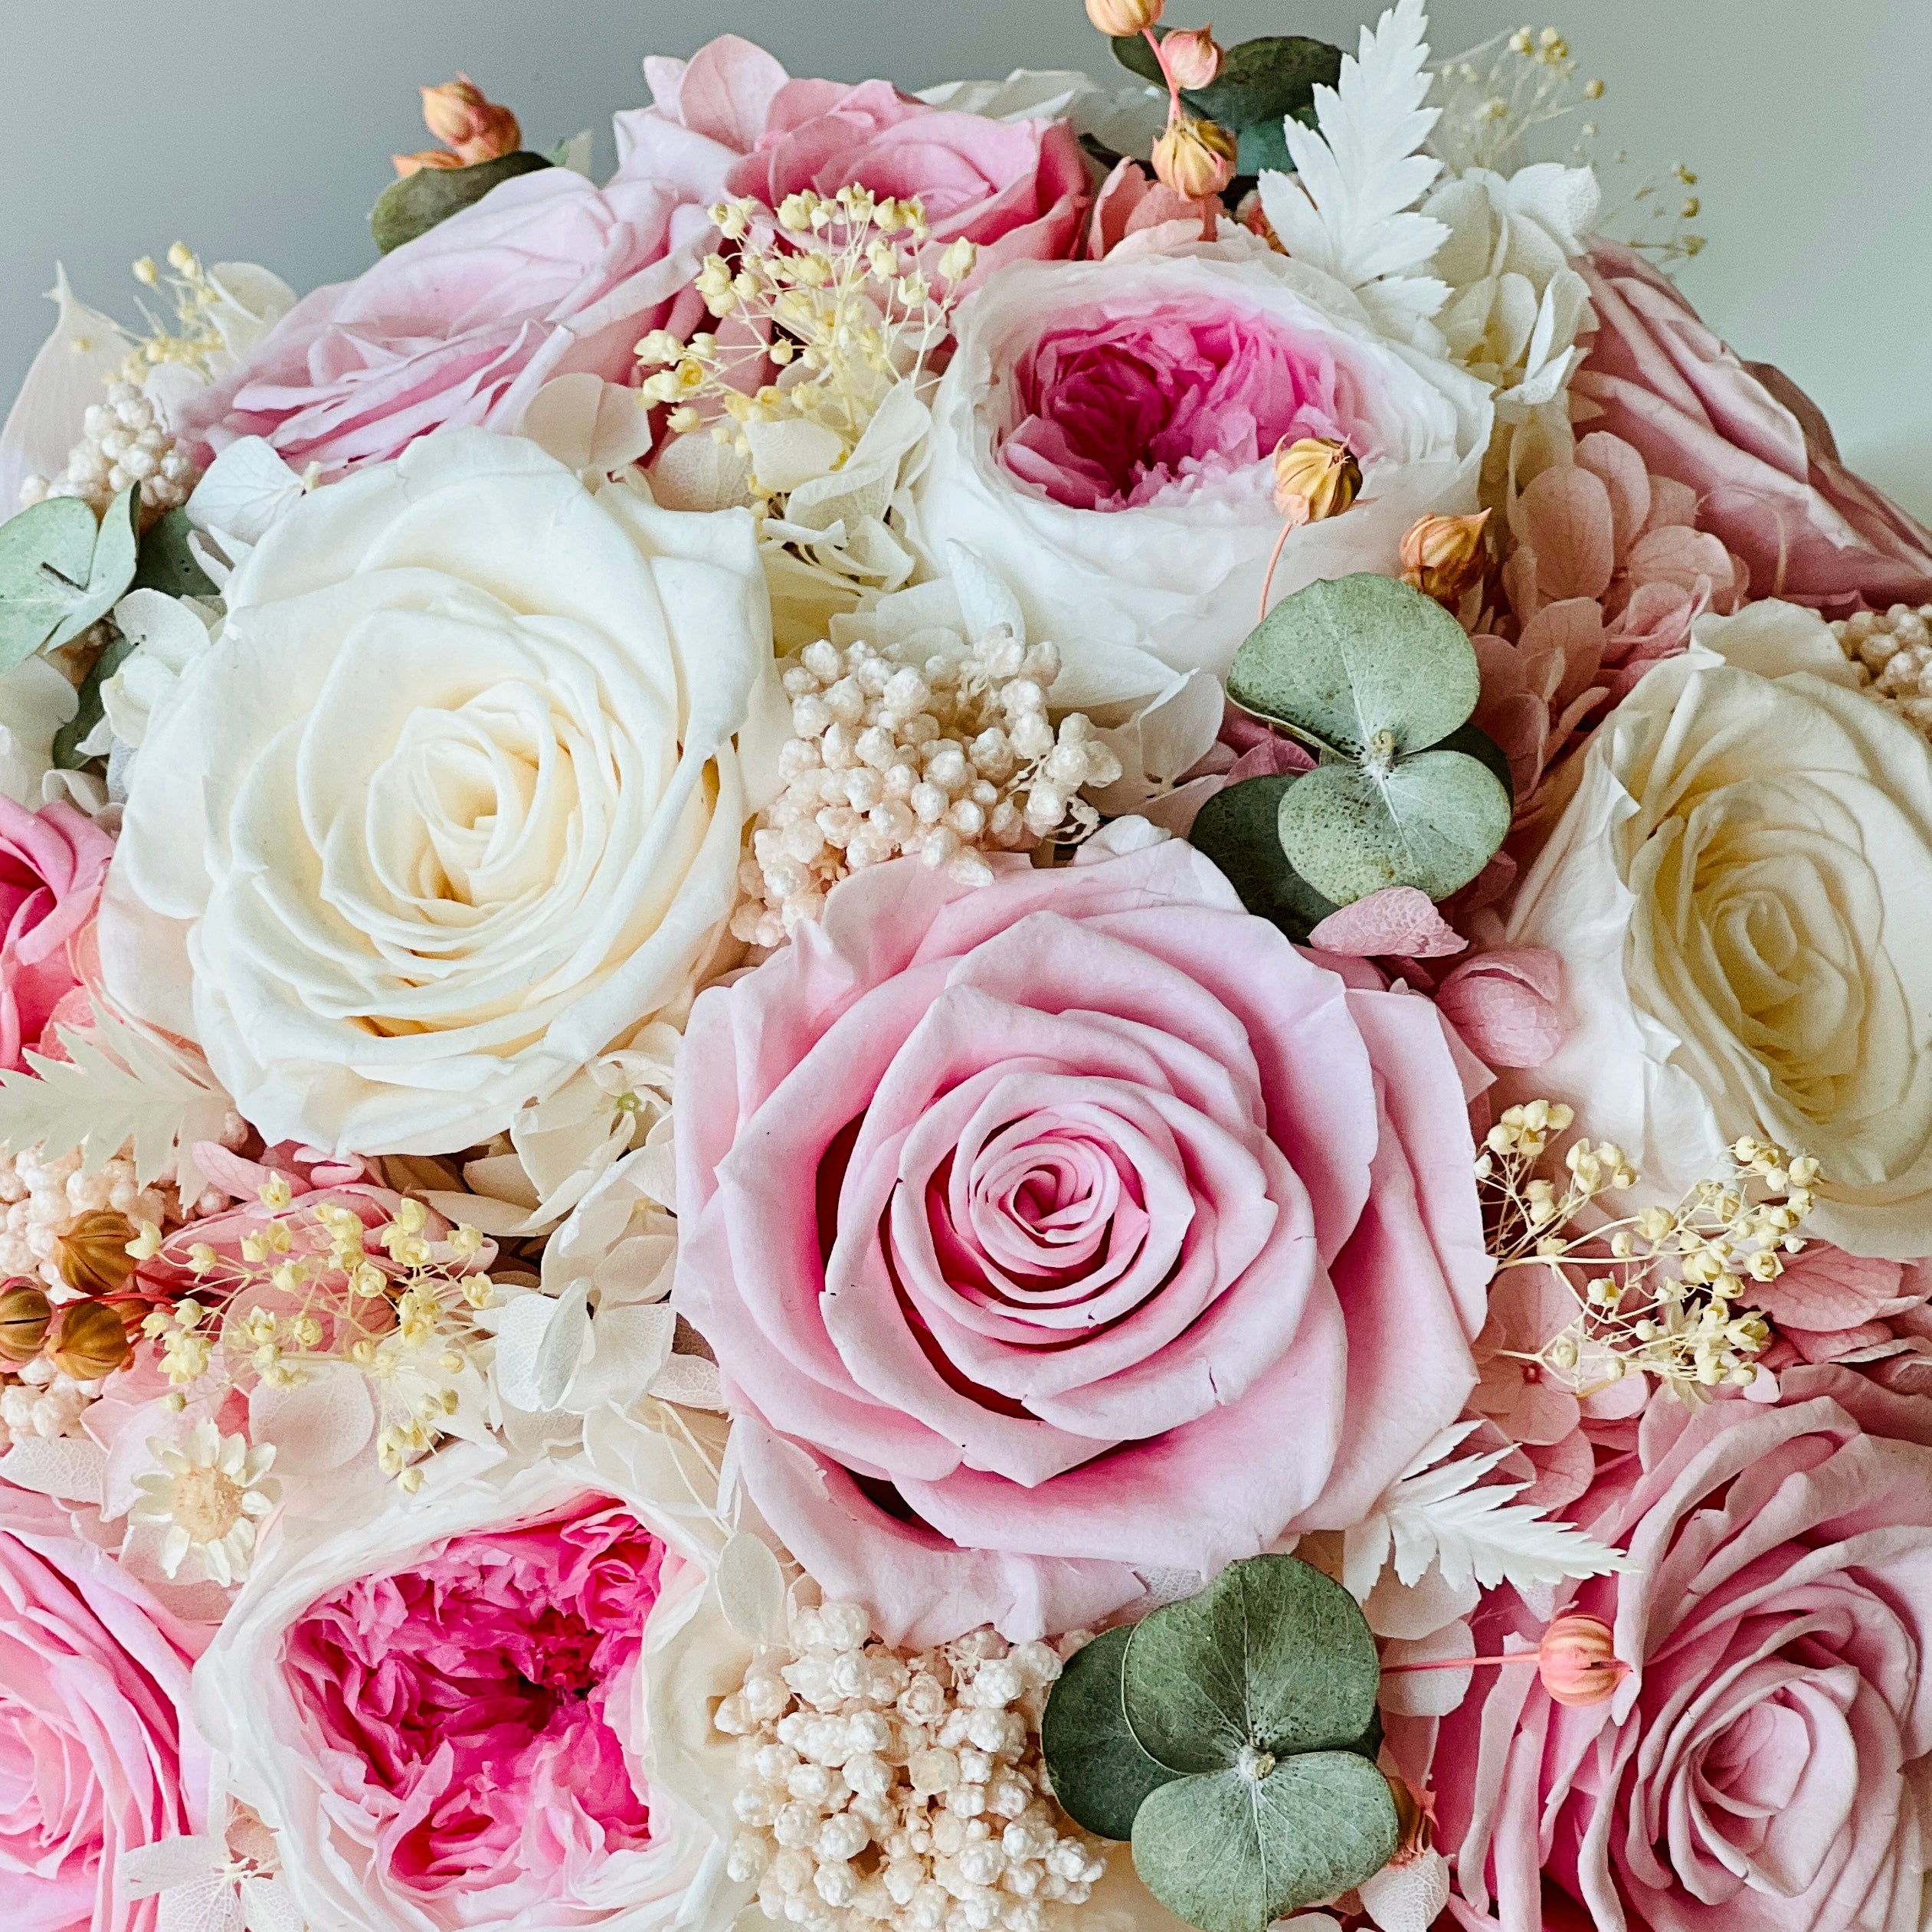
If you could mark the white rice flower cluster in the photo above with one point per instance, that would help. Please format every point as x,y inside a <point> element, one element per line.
<point>45,1403</point>
<point>884,1788</point>
<point>948,760</point>
<point>43,1198</point>
<point>1893,649</point>
<point>123,441</point>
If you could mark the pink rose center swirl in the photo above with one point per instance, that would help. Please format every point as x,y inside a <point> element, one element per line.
<point>1118,412</point>
<point>473,1699</point>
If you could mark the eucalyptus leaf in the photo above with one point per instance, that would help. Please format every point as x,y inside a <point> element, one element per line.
<point>1272,1656</point>
<point>415,204</point>
<point>1231,1852</point>
<point>60,571</point>
<point>1263,149</point>
<point>1239,829</point>
<point>166,563</point>
<point>1432,821</point>
<point>1344,660</point>
<point>91,709</point>
<point>1101,1776</point>
<point>1261,79</point>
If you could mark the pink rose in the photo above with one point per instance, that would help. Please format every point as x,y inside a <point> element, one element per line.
<point>1018,189</point>
<point>1749,442</point>
<point>97,1757</point>
<point>1762,1764</point>
<point>52,863</point>
<point>546,275</point>
<point>1067,1230</point>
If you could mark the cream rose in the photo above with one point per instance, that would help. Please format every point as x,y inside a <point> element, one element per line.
<point>1741,891</point>
<point>1106,432</point>
<point>453,802</point>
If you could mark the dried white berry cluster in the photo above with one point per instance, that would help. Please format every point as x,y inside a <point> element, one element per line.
<point>904,1790</point>
<point>43,1198</point>
<point>45,1403</point>
<point>1893,649</point>
<point>123,441</point>
<point>948,760</point>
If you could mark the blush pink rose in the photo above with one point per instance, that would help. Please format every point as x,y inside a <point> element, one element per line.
<point>1017,189</point>
<point>1067,1230</point>
<point>97,1756</point>
<point>1752,445</point>
<point>52,863</point>
<point>546,275</point>
<point>473,1706</point>
<point>1762,1765</point>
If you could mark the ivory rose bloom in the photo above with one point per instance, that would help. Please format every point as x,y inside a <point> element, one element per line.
<point>457,1709</point>
<point>1078,1218</point>
<point>453,802</point>
<point>97,1757</point>
<point>1107,430</point>
<point>1765,1762</point>
<point>1740,890</point>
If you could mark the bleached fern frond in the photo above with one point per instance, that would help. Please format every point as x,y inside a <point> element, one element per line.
<point>122,1085</point>
<point>1435,1513</point>
<point>1349,209</point>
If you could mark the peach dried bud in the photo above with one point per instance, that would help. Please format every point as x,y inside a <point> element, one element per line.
<point>92,1254</point>
<point>1195,159</point>
<point>1315,477</point>
<point>1120,17</point>
<point>409,164</point>
<point>24,1314</point>
<point>92,1341</point>
<point>1191,58</point>
<point>1577,1660</point>
<point>468,122</point>
<point>1444,557</point>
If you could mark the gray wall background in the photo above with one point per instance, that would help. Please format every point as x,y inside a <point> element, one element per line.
<point>261,129</point>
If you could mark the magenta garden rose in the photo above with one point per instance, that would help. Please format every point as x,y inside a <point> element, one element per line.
<point>1766,1762</point>
<point>52,864</point>
<point>1067,1231</point>
<point>97,1757</point>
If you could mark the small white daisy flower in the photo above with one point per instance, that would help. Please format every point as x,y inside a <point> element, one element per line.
<point>208,1491</point>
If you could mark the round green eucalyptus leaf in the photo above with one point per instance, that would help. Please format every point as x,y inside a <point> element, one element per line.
<point>1230,1853</point>
<point>1345,660</point>
<point>46,559</point>
<point>1236,829</point>
<point>1101,1776</point>
<point>1432,822</point>
<point>1271,1655</point>
<point>167,562</point>
<point>415,204</point>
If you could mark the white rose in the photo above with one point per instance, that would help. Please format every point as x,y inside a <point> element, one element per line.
<point>346,1859</point>
<point>1742,892</point>
<point>451,805</point>
<point>1179,573</point>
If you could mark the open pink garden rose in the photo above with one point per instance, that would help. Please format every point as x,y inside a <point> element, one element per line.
<point>52,864</point>
<point>1764,1765</point>
<point>97,1758</point>
<point>1065,1231</point>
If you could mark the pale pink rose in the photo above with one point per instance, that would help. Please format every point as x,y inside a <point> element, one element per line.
<point>97,1756</point>
<point>1874,1316</point>
<point>1132,202</point>
<point>52,863</point>
<point>1065,1230</point>
<point>1751,444</point>
<point>1761,1765</point>
<point>1017,189</point>
<point>546,275</point>
<point>1507,1005</point>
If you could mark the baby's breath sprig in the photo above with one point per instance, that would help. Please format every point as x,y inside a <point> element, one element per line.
<point>1659,1290</point>
<point>836,296</point>
<point>385,1300</point>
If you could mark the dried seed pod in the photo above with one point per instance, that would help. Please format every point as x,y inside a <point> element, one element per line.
<point>24,1314</point>
<point>91,1343</point>
<point>92,1256</point>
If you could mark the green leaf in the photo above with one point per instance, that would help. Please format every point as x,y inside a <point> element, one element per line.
<point>167,563</point>
<point>1272,1655</point>
<point>415,204</point>
<point>1262,146</point>
<point>1232,1853</point>
<point>1133,52</point>
<point>1261,79</point>
<point>1342,660</point>
<point>1238,829</point>
<point>67,741</point>
<point>60,571</point>
<point>1101,1776</point>
<point>1432,821</point>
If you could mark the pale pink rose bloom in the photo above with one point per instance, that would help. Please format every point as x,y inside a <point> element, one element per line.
<point>1017,189</point>
<point>1751,445</point>
<point>52,863</point>
<point>1079,1219</point>
<point>546,275</point>
<point>473,1709</point>
<point>98,1757</point>
<point>1759,1767</point>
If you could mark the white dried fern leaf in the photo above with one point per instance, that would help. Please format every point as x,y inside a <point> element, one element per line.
<point>1435,1513</point>
<point>1349,208</point>
<point>122,1086</point>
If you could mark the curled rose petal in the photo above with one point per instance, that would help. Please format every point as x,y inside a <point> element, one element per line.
<point>1506,1005</point>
